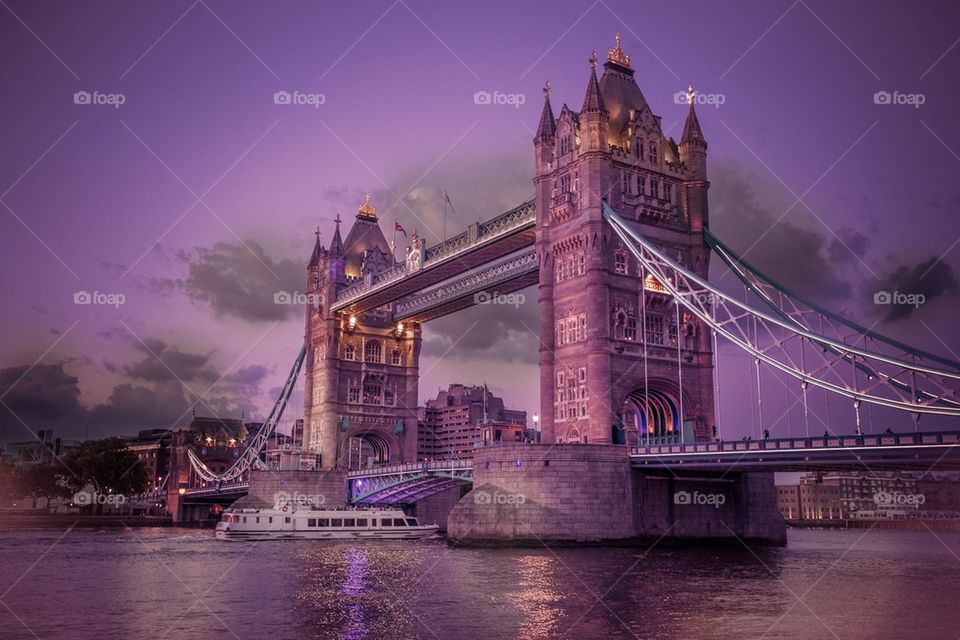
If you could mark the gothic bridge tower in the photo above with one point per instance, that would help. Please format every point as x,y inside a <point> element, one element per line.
<point>615,349</point>
<point>360,372</point>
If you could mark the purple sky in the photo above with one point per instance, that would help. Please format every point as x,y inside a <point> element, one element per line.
<point>105,199</point>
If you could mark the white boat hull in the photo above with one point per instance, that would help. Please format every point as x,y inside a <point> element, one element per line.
<point>413,533</point>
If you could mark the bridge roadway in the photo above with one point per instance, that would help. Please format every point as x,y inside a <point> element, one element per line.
<point>467,258</point>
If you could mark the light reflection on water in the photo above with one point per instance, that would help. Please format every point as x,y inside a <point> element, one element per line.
<point>183,584</point>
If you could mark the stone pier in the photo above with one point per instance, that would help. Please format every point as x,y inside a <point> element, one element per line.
<point>582,494</point>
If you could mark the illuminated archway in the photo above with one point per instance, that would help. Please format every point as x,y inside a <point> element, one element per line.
<point>649,413</point>
<point>366,449</point>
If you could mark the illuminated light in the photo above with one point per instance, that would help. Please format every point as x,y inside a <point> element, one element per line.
<point>181,491</point>
<point>352,323</point>
<point>536,418</point>
<point>399,329</point>
<point>519,463</point>
<point>652,284</point>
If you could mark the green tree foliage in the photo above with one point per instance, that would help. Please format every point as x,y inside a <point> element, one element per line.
<point>43,481</point>
<point>108,465</point>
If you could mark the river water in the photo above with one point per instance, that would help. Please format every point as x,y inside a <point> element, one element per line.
<point>175,583</point>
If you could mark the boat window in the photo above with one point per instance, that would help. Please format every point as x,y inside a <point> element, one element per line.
<point>258,519</point>
<point>270,519</point>
<point>311,522</point>
<point>336,522</point>
<point>349,522</point>
<point>323,522</point>
<point>412,522</point>
<point>287,520</point>
<point>244,519</point>
<point>361,522</point>
<point>386,522</point>
<point>398,522</point>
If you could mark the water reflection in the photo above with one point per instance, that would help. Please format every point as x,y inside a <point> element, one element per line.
<point>537,598</point>
<point>354,587</point>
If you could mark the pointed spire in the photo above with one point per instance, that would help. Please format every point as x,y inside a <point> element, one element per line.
<point>593,100</point>
<point>548,124</point>
<point>691,128</point>
<point>336,245</point>
<point>317,251</point>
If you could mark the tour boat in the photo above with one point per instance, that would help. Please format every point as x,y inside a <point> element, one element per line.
<point>293,521</point>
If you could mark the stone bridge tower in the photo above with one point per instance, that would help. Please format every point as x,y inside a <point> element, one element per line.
<point>360,372</point>
<point>615,353</point>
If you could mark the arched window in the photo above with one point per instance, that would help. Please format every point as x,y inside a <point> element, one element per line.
<point>373,351</point>
<point>372,390</point>
<point>349,352</point>
<point>395,357</point>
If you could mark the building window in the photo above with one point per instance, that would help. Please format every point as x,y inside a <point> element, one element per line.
<point>652,152</point>
<point>560,379</point>
<point>581,264</point>
<point>581,327</point>
<point>372,390</point>
<point>354,394</point>
<point>655,185</point>
<point>395,357</point>
<point>349,352</point>
<point>654,328</point>
<point>373,351</point>
<point>631,331</point>
<point>620,262</point>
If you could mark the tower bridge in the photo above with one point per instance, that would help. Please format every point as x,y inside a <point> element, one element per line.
<point>618,240</point>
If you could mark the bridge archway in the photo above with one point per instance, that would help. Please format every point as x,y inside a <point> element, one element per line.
<point>650,412</point>
<point>369,448</point>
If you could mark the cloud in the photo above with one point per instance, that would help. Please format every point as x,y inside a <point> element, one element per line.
<point>490,331</point>
<point>931,278</point>
<point>802,259</point>
<point>48,396</point>
<point>240,281</point>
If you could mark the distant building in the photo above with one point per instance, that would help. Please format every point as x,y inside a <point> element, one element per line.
<point>44,449</point>
<point>152,447</point>
<point>462,418</point>
<point>868,495</point>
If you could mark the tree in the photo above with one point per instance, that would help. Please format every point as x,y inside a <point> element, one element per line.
<point>42,481</point>
<point>109,466</point>
<point>9,482</point>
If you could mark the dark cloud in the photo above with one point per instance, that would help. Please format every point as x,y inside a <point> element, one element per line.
<point>932,278</point>
<point>804,260</point>
<point>847,245</point>
<point>48,395</point>
<point>241,280</point>
<point>490,331</point>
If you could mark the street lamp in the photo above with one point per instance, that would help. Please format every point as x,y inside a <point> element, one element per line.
<point>536,421</point>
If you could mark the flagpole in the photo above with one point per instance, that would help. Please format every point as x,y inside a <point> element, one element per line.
<point>444,215</point>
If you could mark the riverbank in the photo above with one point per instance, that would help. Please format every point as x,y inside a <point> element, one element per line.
<point>15,521</point>
<point>914,525</point>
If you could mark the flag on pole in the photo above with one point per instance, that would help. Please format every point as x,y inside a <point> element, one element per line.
<point>446,199</point>
<point>398,227</point>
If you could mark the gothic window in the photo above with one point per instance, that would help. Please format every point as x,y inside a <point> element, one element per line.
<point>620,262</point>
<point>581,264</point>
<point>654,328</point>
<point>558,271</point>
<point>642,185</point>
<point>631,330</point>
<point>652,152</point>
<point>372,390</point>
<point>668,191</point>
<point>638,150</point>
<point>626,182</point>
<point>373,351</point>
<point>571,266</point>
<point>619,325</point>
<point>562,334</point>
<point>655,184</point>
<point>565,183</point>
<point>581,327</point>
<point>566,144</point>
<point>582,375</point>
<point>353,395</point>
<point>560,379</point>
<point>388,398</point>
<point>349,352</point>
<point>395,357</point>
